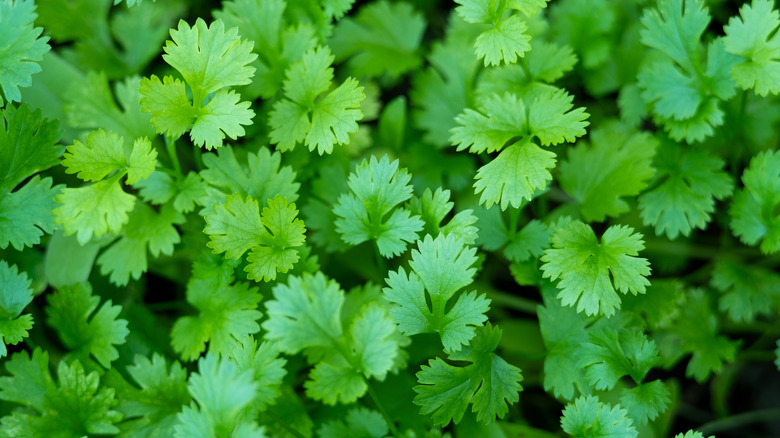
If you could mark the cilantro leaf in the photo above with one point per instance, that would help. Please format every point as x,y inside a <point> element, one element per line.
<point>624,167</point>
<point>383,38</point>
<point>587,417</point>
<point>441,91</point>
<point>610,355</point>
<point>433,207</point>
<point>74,406</point>
<point>267,368</point>
<point>90,104</point>
<point>209,58</point>
<point>27,146</point>
<point>71,311</point>
<point>489,383</point>
<point>273,237</point>
<point>584,266</point>
<point>150,408</point>
<point>749,37</point>
<point>748,291</point>
<point>226,311</point>
<point>104,153</point>
<point>262,177</point>
<point>222,393</point>
<point>522,167</point>
<point>160,188</point>
<point>145,229</point>
<point>683,91</point>
<point>360,423</point>
<point>690,434</point>
<point>93,210</point>
<point>378,186</point>
<point>753,210</point>
<point>15,295</point>
<point>690,182</point>
<point>310,113</point>
<point>306,314</point>
<point>646,401</point>
<point>564,331</point>
<point>21,47</point>
<point>440,266</point>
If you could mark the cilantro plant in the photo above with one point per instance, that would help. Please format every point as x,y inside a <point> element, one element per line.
<point>389,218</point>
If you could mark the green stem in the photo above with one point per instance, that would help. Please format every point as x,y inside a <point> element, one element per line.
<point>738,420</point>
<point>513,302</point>
<point>381,408</point>
<point>170,145</point>
<point>381,266</point>
<point>514,216</point>
<point>285,425</point>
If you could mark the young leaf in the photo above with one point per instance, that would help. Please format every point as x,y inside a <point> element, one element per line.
<point>71,311</point>
<point>262,177</point>
<point>93,210</point>
<point>150,409</point>
<point>378,186</point>
<point>310,113</point>
<point>690,182</point>
<point>753,210</point>
<point>587,417</point>
<point>489,383</point>
<point>15,295</point>
<point>226,311</point>
<point>222,393</point>
<point>74,406</point>
<point>610,355</point>
<point>27,146</point>
<point>441,266</point>
<point>383,38</point>
<point>617,165</point>
<point>584,266</point>
<point>273,237</point>
<point>360,423</point>
<point>21,47</point>
<point>433,207</point>
<point>749,37</point>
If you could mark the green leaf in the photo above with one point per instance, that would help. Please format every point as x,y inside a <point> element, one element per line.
<point>104,153</point>
<point>753,210</point>
<point>378,187</point>
<point>222,393</point>
<point>266,365</point>
<point>227,311</point>
<point>584,266</point>
<point>304,313</point>
<point>489,383</point>
<point>433,207</point>
<point>262,177</point>
<point>20,47</point>
<point>748,291</point>
<point>690,180</point>
<point>610,355</point>
<point>222,116</point>
<point>74,406</point>
<point>166,101</point>
<point>93,210</point>
<point>382,38</point>
<point>646,401</point>
<point>587,417</point>
<point>237,226</point>
<point>618,165</point>
<point>310,113</point>
<point>505,41</point>
<point>360,423</point>
<point>72,312</point>
<point>150,408</point>
<point>27,146</point>
<point>441,266</point>
<point>749,37</point>
<point>690,434</point>
<point>208,57</point>
<point>514,175</point>
<point>15,295</point>
<point>145,229</point>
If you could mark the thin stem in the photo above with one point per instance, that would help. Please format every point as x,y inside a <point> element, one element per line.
<point>170,145</point>
<point>381,408</point>
<point>285,425</point>
<point>739,420</point>
<point>380,262</point>
<point>514,216</point>
<point>513,302</point>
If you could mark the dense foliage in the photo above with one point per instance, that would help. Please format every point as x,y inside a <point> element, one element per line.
<point>300,218</point>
